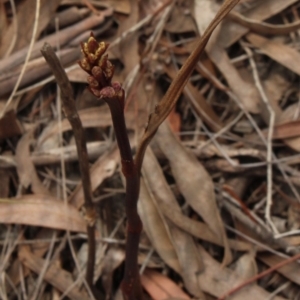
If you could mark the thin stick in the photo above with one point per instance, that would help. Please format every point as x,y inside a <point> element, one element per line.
<point>269,139</point>
<point>72,115</point>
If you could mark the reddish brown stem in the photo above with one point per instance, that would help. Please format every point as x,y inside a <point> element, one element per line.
<point>114,97</point>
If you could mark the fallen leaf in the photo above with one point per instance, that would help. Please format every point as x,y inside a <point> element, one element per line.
<point>232,32</point>
<point>25,167</point>
<point>262,27</point>
<point>57,277</point>
<point>156,228</point>
<point>281,53</point>
<point>290,271</point>
<point>179,22</point>
<point>160,287</point>
<point>199,229</point>
<point>189,259</point>
<point>113,258</point>
<point>217,280</point>
<point>194,183</point>
<point>289,115</point>
<point>41,210</point>
<point>286,130</point>
<point>245,91</point>
<point>246,267</point>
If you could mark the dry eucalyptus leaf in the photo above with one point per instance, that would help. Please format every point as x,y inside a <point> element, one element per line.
<point>217,281</point>
<point>41,210</point>
<point>231,32</point>
<point>54,275</point>
<point>262,27</point>
<point>290,114</point>
<point>113,258</point>
<point>161,287</point>
<point>204,12</point>
<point>194,183</point>
<point>156,228</point>
<point>25,168</point>
<point>290,271</point>
<point>246,267</point>
<point>278,51</point>
<point>198,229</point>
<point>189,259</point>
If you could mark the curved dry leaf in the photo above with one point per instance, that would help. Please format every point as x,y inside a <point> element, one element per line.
<point>57,277</point>
<point>188,256</point>
<point>41,210</point>
<point>217,280</point>
<point>281,53</point>
<point>113,258</point>
<point>103,168</point>
<point>290,271</point>
<point>246,267</point>
<point>194,183</point>
<point>262,27</point>
<point>25,167</point>
<point>156,228</point>
<point>289,115</point>
<point>231,32</point>
<point>289,129</point>
<point>160,287</point>
<point>198,229</point>
<point>204,12</point>
<point>244,90</point>
<point>178,22</point>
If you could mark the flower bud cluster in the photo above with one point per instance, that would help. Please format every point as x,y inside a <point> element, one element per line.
<point>95,62</point>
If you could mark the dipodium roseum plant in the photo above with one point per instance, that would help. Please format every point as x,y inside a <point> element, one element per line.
<point>95,62</point>
<point>100,74</point>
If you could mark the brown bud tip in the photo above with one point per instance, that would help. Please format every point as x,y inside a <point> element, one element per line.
<point>109,70</point>
<point>101,49</point>
<point>92,82</point>
<point>84,64</point>
<point>92,45</point>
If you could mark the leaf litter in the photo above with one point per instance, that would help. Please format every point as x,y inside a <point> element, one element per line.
<point>200,240</point>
